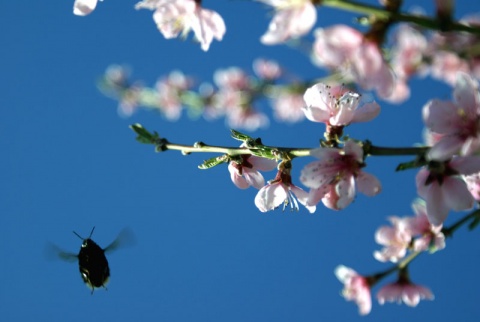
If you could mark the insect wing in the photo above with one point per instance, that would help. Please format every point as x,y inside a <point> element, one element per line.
<point>54,252</point>
<point>125,238</point>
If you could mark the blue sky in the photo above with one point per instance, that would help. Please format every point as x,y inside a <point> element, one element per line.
<point>203,252</point>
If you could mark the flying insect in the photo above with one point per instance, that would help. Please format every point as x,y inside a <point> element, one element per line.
<point>92,262</point>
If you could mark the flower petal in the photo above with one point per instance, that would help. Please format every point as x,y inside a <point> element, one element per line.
<point>270,197</point>
<point>466,94</point>
<point>302,197</point>
<point>253,178</point>
<point>262,164</point>
<point>466,165</point>
<point>456,194</point>
<point>441,116</point>
<point>317,100</point>
<point>84,7</point>
<point>445,148</point>
<point>368,184</point>
<point>366,113</point>
<point>437,209</point>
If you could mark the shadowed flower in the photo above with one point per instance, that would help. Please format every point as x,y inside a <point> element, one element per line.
<point>404,291</point>
<point>443,188</point>
<point>356,288</point>
<point>246,173</point>
<point>457,122</point>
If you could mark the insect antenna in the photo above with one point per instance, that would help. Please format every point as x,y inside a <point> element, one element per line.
<point>78,235</point>
<point>91,233</point>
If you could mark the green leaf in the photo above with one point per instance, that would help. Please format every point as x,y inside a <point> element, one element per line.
<point>474,223</point>
<point>240,136</point>
<point>210,163</point>
<point>408,165</point>
<point>143,135</point>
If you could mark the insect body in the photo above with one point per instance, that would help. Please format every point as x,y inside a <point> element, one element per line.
<point>92,263</point>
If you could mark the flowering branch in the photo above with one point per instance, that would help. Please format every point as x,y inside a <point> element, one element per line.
<point>255,147</point>
<point>252,146</point>
<point>358,287</point>
<point>380,13</point>
<point>473,218</point>
<point>449,163</point>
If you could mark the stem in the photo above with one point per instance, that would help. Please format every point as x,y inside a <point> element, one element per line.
<point>378,150</point>
<point>381,13</point>
<point>201,147</point>
<point>404,263</point>
<point>448,232</point>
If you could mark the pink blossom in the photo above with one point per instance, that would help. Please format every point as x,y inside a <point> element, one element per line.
<point>473,185</point>
<point>233,99</point>
<point>116,83</point>
<point>246,117</point>
<point>408,51</point>
<point>267,69</point>
<point>288,107</point>
<point>446,65</point>
<point>232,78</point>
<point>180,16</point>
<point>84,7</point>
<point>337,107</point>
<point>247,173</point>
<point>237,108</point>
<point>293,18</point>
<point>405,292</point>
<point>356,288</point>
<point>431,138</point>
<point>458,122</point>
<point>443,189</point>
<point>407,59</point>
<point>359,59</point>
<point>450,52</point>
<point>169,90</point>
<point>335,178</point>
<point>370,70</point>
<point>334,46</point>
<point>427,236</point>
<point>396,240</point>
<point>129,101</point>
<point>281,190</point>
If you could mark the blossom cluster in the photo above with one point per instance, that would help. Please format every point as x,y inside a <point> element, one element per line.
<point>448,165</point>
<point>407,234</point>
<point>364,59</point>
<point>448,180</point>
<point>233,95</point>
